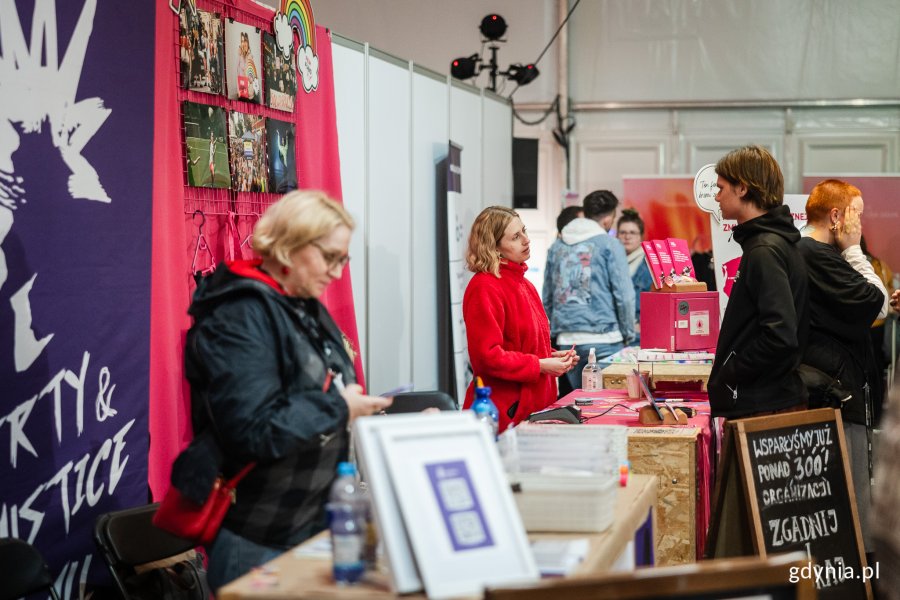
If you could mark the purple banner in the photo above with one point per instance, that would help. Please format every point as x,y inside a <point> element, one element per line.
<point>76,136</point>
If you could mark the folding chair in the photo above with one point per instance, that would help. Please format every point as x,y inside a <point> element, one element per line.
<point>418,401</point>
<point>131,546</point>
<point>23,570</point>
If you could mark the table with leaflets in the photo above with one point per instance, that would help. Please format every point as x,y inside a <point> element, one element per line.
<point>304,572</point>
<point>681,456</point>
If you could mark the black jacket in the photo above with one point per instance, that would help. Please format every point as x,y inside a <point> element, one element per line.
<point>842,306</point>
<point>259,360</point>
<point>765,327</point>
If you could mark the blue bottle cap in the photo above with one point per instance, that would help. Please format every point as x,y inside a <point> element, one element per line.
<point>482,392</point>
<point>346,468</point>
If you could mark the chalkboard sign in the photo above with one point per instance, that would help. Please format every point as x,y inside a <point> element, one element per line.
<point>784,485</point>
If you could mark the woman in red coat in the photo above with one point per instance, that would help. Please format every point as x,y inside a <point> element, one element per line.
<point>506,327</point>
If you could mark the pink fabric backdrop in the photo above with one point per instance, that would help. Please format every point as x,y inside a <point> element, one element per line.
<point>319,168</point>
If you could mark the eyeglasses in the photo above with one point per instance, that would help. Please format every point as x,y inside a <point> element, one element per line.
<point>332,259</point>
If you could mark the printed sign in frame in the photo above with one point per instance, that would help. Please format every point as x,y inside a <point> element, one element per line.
<point>463,524</point>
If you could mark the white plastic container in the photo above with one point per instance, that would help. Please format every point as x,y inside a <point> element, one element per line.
<point>598,449</point>
<point>565,503</point>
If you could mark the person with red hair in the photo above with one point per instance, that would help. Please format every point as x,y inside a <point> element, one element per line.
<point>845,297</point>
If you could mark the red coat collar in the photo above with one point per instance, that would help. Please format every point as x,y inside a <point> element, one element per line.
<point>251,269</point>
<point>512,268</point>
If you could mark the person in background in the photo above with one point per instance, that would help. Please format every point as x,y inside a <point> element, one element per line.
<point>766,321</point>
<point>630,231</point>
<point>886,500</point>
<point>877,331</point>
<point>845,297</point>
<point>271,383</point>
<point>702,261</point>
<point>506,327</point>
<point>566,216</point>
<point>588,294</point>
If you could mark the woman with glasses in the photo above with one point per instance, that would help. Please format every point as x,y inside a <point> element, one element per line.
<point>630,231</point>
<point>271,383</point>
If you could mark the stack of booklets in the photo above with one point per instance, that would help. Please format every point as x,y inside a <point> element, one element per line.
<point>693,357</point>
<point>669,261</point>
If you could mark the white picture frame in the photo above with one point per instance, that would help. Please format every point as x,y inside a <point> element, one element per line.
<point>404,574</point>
<point>460,516</point>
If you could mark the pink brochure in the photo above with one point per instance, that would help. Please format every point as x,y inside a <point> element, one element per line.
<point>653,264</point>
<point>665,259</point>
<point>681,256</point>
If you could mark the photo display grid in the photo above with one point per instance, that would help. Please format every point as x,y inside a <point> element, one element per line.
<point>201,43</point>
<point>229,62</point>
<point>242,49</point>
<point>246,152</point>
<point>205,138</point>
<point>280,74</point>
<point>282,156</point>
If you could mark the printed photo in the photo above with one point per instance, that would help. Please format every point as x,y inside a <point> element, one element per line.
<point>242,45</point>
<point>281,75</point>
<point>282,160</point>
<point>246,152</point>
<point>207,151</point>
<point>202,46</point>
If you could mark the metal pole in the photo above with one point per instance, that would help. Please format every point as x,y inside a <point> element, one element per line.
<point>493,70</point>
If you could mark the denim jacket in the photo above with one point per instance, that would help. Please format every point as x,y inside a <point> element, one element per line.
<point>587,287</point>
<point>642,281</point>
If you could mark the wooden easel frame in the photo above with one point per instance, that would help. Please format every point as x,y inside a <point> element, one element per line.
<point>749,530</point>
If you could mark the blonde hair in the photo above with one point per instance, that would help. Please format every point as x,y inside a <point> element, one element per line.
<point>487,231</point>
<point>298,218</point>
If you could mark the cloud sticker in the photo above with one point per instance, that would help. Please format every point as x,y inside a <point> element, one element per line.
<point>308,66</point>
<point>705,190</point>
<point>284,35</point>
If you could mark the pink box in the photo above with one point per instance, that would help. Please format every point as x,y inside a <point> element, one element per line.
<point>680,321</point>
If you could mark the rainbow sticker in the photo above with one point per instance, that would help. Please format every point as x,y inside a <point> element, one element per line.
<point>300,17</point>
<point>251,68</point>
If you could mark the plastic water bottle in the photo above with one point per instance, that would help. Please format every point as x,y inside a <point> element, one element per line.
<point>590,376</point>
<point>484,408</point>
<point>347,510</point>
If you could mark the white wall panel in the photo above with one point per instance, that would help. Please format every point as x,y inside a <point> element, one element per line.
<point>394,125</point>
<point>388,209</point>
<point>847,153</point>
<point>496,150</point>
<point>703,150</point>
<point>430,138</point>
<point>601,163</point>
<point>465,130</point>
<point>350,104</point>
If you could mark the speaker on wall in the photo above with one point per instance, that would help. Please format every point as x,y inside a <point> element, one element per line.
<point>525,172</point>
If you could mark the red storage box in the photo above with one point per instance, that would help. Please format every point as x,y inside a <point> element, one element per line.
<point>680,321</point>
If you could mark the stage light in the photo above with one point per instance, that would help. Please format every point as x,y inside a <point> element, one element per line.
<point>464,67</point>
<point>523,74</point>
<point>493,27</point>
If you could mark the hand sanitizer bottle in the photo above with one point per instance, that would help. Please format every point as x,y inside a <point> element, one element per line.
<point>590,376</point>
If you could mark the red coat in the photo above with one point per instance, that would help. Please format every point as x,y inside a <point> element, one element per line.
<point>508,332</point>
